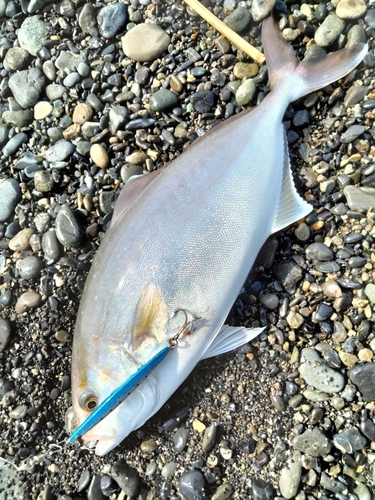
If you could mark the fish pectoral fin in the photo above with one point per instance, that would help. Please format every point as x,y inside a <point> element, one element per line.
<point>230,338</point>
<point>133,187</point>
<point>291,206</point>
<point>150,318</point>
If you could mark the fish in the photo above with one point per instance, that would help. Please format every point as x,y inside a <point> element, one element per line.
<point>181,242</point>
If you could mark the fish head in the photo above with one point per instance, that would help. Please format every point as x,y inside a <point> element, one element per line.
<point>94,386</point>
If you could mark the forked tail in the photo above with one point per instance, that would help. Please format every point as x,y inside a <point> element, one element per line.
<point>310,74</point>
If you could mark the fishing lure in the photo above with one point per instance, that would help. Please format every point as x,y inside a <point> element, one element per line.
<point>116,397</point>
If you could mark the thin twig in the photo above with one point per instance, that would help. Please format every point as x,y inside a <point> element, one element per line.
<point>226,31</point>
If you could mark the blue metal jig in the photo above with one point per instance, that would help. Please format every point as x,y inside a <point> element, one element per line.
<point>119,394</point>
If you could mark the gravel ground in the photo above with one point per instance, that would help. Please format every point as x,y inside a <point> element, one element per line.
<point>289,416</point>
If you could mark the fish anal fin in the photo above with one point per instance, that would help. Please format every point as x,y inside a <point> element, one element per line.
<point>230,338</point>
<point>150,318</point>
<point>291,206</point>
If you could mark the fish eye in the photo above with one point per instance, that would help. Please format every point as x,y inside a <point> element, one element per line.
<point>88,401</point>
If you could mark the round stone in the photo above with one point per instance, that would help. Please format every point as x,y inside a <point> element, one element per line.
<point>99,155</point>
<point>16,58</point>
<point>32,34</point>
<point>351,9</point>
<point>21,241</point>
<point>27,301</point>
<point>155,42</point>
<point>82,113</point>
<point>191,485</point>
<point>245,92</point>
<point>42,110</point>
<point>319,251</point>
<point>318,375</point>
<point>162,99</point>
<point>245,70</point>
<point>43,181</point>
<point>329,31</point>
<point>290,476</point>
<point>30,267</point>
<point>312,442</point>
<point>68,230</point>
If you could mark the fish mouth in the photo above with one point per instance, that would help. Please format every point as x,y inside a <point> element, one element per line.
<point>103,440</point>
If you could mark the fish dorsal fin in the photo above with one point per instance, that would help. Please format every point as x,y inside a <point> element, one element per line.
<point>150,318</point>
<point>133,187</point>
<point>291,206</point>
<point>230,338</point>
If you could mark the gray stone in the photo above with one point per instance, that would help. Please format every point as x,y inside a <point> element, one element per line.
<point>162,99</point>
<point>68,230</point>
<point>352,133</point>
<point>43,181</point>
<point>223,492</point>
<point>4,133</point>
<point>10,195</point>
<point>363,376</point>
<point>68,61</point>
<point>319,251</point>
<point>319,375</point>
<point>5,331</point>
<point>14,144</point>
<point>126,477</point>
<point>155,42</point>
<point>349,440</point>
<point>87,20</point>
<point>370,292</point>
<point>191,485</point>
<point>30,267</point>
<point>209,438</point>
<point>16,58</point>
<point>55,91</point>
<point>117,118</point>
<point>111,19</point>
<point>51,246</point>
<point>360,198</point>
<point>312,442</point>
<point>35,5</point>
<point>290,476</point>
<point>32,34</point>
<point>60,151</point>
<point>180,439</point>
<point>238,20</point>
<point>27,86</point>
<point>20,118</point>
<point>329,31</point>
<point>260,9</point>
<point>288,273</point>
<point>245,92</point>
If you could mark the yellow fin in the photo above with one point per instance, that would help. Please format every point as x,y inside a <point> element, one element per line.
<point>150,318</point>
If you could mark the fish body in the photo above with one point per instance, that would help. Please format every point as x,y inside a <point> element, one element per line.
<point>181,243</point>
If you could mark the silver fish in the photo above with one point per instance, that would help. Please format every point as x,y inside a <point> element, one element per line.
<point>181,243</point>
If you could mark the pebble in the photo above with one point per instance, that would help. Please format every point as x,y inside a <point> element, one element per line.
<point>352,133</point>
<point>162,99</point>
<point>32,34</point>
<point>180,439</point>
<point>30,267</point>
<point>370,292</point>
<point>111,19</point>
<point>42,110</point>
<point>319,375</point>
<point>288,273</point>
<point>5,331</point>
<point>87,19</point>
<point>363,376</point>
<point>82,113</point>
<point>94,491</point>
<point>68,230</point>
<point>302,232</point>
<point>191,485</point>
<point>27,301</point>
<point>19,412</point>
<point>290,476</point>
<point>351,9</point>
<point>60,151</point>
<point>312,442</point>
<point>126,477</point>
<point>155,42</point>
<point>10,195</point>
<point>239,19</point>
<point>223,492</point>
<point>43,181</point>
<point>319,251</point>
<point>99,155</point>
<point>16,58</point>
<point>361,199</point>
<point>245,70</point>
<point>329,31</point>
<point>269,300</point>
<point>245,92</point>
<point>27,86</point>
<point>14,143</point>
<point>260,9</point>
<point>349,440</point>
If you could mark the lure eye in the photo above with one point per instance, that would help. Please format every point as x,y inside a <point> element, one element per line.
<point>88,401</point>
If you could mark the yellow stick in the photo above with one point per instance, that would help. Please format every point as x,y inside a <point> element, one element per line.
<point>226,31</point>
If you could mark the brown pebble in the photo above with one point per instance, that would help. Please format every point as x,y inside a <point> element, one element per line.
<point>175,83</point>
<point>149,446</point>
<point>245,70</point>
<point>63,336</point>
<point>99,155</point>
<point>332,289</point>
<point>27,301</point>
<point>72,131</point>
<point>54,394</point>
<point>21,241</point>
<point>82,113</point>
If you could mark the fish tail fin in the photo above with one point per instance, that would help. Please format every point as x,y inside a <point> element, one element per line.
<point>317,70</point>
